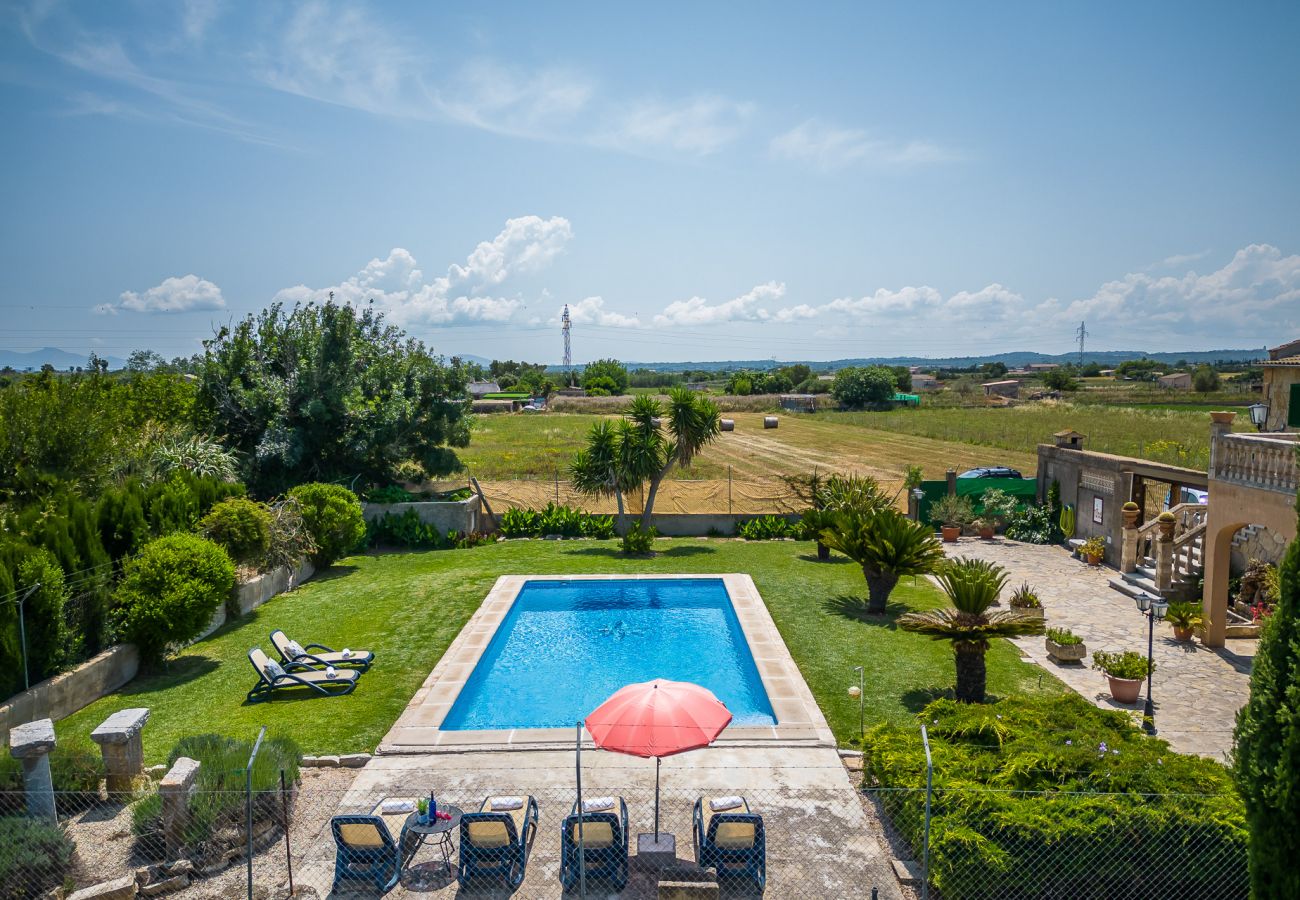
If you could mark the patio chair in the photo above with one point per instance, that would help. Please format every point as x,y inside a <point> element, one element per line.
<point>605,843</point>
<point>730,840</point>
<point>295,675</point>
<point>495,841</point>
<point>366,853</point>
<point>318,655</point>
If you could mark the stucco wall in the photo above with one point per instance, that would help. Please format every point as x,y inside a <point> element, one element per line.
<point>459,515</point>
<point>64,694</point>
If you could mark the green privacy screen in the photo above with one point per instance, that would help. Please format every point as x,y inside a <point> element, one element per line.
<point>1025,489</point>
<point>1293,411</point>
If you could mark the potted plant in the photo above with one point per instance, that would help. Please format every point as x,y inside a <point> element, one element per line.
<point>1185,616</point>
<point>422,807</point>
<point>984,528</point>
<point>1093,549</point>
<point>1063,645</point>
<point>1125,672</point>
<point>1025,600</point>
<point>952,513</point>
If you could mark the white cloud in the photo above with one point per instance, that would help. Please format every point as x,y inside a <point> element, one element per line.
<point>591,311</point>
<point>1255,295</point>
<point>698,125</point>
<point>745,308</point>
<point>197,16</point>
<point>828,147</point>
<point>467,293</point>
<point>1178,259</point>
<point>184,294</point>
<point>513,101</point>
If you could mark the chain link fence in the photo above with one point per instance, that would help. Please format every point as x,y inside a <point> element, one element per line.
<point>330,836</point>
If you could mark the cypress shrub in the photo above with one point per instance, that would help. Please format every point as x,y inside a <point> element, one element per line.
<point>120,515</point>
<point>240,525</point>
<point>1268,745</point>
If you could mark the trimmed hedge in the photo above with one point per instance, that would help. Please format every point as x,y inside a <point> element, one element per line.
<point>334,519</point>
<point>240,525</point>
<point>1052,797</point>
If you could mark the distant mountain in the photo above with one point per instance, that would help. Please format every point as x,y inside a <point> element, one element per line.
<point>1013,360</point>
<point>471,358</point>
<point>62,360</point>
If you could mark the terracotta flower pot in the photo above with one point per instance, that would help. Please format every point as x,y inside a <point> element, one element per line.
<point>1094,560</point>
<point>1125,690</point>
<point>986,532</point>
<point>1182,634</point>
<point>950,533</point>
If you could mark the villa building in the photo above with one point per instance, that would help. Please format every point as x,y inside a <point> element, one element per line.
<point>1282,387</point>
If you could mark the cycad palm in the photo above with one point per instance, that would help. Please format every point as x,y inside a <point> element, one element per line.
<point>887,545</point>
<point>973,587</point>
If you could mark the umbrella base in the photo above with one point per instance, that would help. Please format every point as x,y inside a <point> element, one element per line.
<point>656,852</point>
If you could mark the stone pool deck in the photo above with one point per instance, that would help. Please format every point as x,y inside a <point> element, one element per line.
<point>821,840</point>
<point>1197,689</point>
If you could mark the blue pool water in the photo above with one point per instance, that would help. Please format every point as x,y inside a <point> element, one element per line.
<point>565,646</point>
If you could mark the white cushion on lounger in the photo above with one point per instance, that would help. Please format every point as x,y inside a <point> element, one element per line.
<point>597,804</point>
<point>293,650</point>
<point>504,804</point>
<point>274,670</point>
<point>722,803</point>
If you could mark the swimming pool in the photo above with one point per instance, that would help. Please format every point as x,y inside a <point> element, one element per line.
<point>565,646</point>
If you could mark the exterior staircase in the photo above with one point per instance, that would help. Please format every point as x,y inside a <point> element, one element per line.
<point>1185,550</point>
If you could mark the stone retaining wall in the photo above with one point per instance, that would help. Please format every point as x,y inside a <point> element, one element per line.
<point>64,694</point>
<point>462,516</point>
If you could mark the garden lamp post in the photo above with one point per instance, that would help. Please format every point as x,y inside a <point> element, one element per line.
<point>1258,415</point>
<point>1154,608</point>
<point>918,495</point>
<point>856,693</point>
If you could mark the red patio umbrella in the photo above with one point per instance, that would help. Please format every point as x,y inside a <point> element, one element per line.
<point>658,718</point>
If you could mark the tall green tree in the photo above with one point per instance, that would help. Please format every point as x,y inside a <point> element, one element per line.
<point>859,386</point>
<point>595,373</point>
<point>887,545</point>
<point>326,392</point>
<point>972,586</point>
<point>643,448</point>
<point>1267,758</point>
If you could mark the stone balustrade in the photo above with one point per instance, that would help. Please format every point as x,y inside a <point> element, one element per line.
<point>1265,461</point>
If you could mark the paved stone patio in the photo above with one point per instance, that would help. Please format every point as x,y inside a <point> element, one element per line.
<point>1198,690</point>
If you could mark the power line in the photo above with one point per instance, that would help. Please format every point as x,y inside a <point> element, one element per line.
<point>1079,336</point>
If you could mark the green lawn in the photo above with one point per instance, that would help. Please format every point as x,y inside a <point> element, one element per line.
<point>408,607</point>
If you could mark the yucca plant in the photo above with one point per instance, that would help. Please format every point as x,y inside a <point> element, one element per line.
<point>972,586</point>
<point>887,545</point>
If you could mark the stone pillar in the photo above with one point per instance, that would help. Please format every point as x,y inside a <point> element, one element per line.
<point>1165,550</point>
<point>1129,545</point>
<point>951,476</point>
<point>31,744</point>
<point>118,737</point>
<point>1220,424</point>
<point>175,788</point>
<point>913,507</point>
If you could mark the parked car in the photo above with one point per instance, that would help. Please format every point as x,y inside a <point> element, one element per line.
<point>991,472</point>
<point>1189,495</point>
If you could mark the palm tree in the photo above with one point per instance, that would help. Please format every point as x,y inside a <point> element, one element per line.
<point>834,495</point>
<point>887,545</point>
<point>596,469</point>
<point>973,587</point>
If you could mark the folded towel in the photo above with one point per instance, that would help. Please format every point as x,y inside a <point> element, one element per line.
<point>397,806</point>
<point>505,804</point>
<point>274,670</point>
<point>346,653</point>
<point>720,803</point>
<point>293,650</point>
<point>331,672</point>
<point>597,804</point>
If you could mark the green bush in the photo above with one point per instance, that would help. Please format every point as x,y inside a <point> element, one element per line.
<point>219,790</point>
<point>1033,525</point>
<point>34,857</point>
<point>639,541</point>
<point>333,518</point>
<point>768,528</point>
<point>73,772</point>
<point>599,527</point>
<point>1051,797</point>
<point>1064,636</point>
<point>242,526</point>
<point>390,494</point>
<point>405,530</point>
<point>566,521</point>
<point>170,591</point>
<point>517,522</point>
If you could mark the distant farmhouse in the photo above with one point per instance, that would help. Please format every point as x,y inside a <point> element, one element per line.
<point>479,388</point>
<point>1009,389</point>
<point>1176,381</point>
<point>923,381</point>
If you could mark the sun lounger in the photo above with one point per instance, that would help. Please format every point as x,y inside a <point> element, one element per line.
<point>730,840</point>
<point>604,839</point>
<point>365,851</point>
<point>496,840</point>
<point>318,655</point>
<point>297,675</point>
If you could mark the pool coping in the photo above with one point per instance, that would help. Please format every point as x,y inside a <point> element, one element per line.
<point>419,728</point>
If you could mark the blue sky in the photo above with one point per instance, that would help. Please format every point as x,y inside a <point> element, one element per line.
<point>695,181</point>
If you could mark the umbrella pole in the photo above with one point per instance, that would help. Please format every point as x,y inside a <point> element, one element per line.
<point>656,800</point>
<point>582,844</point>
